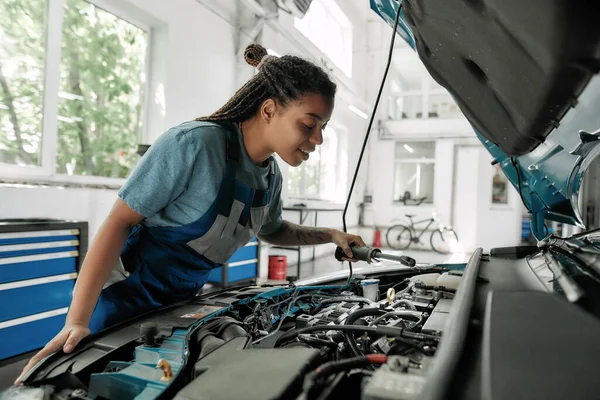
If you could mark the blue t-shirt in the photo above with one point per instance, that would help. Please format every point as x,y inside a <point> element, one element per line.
<point>178,178</point>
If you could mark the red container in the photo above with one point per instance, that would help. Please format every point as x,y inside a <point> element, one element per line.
<point>277,267</point>
<point>377,238</point>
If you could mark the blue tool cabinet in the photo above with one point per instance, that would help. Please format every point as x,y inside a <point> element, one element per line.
<point>39,261</point>
<point>240,268</point>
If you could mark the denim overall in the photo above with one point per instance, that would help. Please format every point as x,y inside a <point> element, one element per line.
<point>168,264</point>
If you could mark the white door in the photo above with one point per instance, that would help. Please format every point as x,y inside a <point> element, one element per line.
<point>464,208</point>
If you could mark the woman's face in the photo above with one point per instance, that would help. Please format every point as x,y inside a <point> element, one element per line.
<point>297,130</point>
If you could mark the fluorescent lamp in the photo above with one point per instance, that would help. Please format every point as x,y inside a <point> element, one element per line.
<point>358,112</point>
<point>409,149</point>
<point>273,53</point>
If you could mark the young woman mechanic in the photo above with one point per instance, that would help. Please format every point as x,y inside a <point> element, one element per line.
<point>203,190</point>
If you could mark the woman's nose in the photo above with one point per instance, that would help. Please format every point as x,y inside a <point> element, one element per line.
<point>317,137</point>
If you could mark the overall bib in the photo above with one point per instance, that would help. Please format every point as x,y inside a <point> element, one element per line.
<point>168,264</point>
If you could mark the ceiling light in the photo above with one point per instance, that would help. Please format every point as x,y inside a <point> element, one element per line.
<point>358,112</point>
<point>409,149</point>
<point>273,53</point>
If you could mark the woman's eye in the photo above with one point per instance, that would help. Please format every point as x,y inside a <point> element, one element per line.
<point>307,128</point>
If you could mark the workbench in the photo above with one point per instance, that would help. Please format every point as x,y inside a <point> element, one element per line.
<point>304,214</point>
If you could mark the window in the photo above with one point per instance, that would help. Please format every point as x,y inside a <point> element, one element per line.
<point>83,114</point>
<point>328,28</point>
<point>414,172</point>
<point>416,94</point>
<point>22,60</point>
<point>324,175</point>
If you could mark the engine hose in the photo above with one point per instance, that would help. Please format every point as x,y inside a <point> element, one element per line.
<point>379,330</point>
<point>315,379</point>
<point>353,299</point>
<point>405,314</point>
<point>349,336</point>
<point>406,303</point>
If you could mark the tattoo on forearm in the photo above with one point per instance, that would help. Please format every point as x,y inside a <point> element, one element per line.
<point>303,234</point>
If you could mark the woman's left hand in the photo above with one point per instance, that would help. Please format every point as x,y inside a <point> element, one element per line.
<point>345,240</point>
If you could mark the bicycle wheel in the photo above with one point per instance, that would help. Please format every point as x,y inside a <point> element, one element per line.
<point>443,241</point>
<point>398,237</point>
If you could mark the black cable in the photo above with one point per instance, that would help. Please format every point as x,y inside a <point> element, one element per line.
<point>362,151</point>
<point>514,163</point>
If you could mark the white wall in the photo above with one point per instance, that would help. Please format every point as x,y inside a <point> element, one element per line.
<point>462,194</point>
<point>91,205</point>
<point>497,224</point>
<point>383,212</point>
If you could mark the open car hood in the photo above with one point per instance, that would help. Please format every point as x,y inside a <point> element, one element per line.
<point>527,82</point>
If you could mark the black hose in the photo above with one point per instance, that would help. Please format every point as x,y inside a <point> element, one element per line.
<point>382,330</point>
<point>350,299</point>
<point>364,312</point>
<point>404,314</point>
<point>314,381</point>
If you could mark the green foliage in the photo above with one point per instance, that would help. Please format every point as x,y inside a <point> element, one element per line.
<point>22,43</point>
<point>101,89</point>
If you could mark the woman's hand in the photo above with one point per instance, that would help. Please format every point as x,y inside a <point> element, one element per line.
<point>67,338</point>
<point>345,240</point>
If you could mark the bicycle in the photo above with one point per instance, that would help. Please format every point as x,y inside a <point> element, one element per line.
<point>442,240</point>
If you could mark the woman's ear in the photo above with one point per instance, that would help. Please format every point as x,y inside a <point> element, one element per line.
<point>268,109</point>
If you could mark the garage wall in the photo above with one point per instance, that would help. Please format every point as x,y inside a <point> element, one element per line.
<point>497,224</point>
<point>462,194</point>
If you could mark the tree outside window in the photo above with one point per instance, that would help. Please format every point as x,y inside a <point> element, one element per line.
<point>100,82</point>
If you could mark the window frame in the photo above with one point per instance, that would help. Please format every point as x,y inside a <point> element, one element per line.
<point>341,131</point>
<point>345,23</point>
<point>46,172</point>
<point>414,160</point>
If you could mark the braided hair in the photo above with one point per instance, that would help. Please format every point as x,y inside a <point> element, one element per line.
<point>283,79</point>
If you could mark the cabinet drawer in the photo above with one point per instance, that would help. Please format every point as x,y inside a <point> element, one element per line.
<point>21,335</point>
<point>236,271</point>
<point>7,238</point>
<point>30,249</point>
<point>247,252</point>
<point>34,296</point>
<point>38,265</point>
<point>240,272</point>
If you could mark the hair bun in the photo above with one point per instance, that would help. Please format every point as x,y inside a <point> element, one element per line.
<point>254,54</point>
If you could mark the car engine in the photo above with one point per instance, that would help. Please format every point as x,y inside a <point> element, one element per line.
<point>369,339</point>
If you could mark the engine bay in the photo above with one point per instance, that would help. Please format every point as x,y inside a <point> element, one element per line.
<point>371,338</point>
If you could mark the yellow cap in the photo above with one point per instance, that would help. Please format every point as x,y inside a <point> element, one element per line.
<point>391,293</point>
